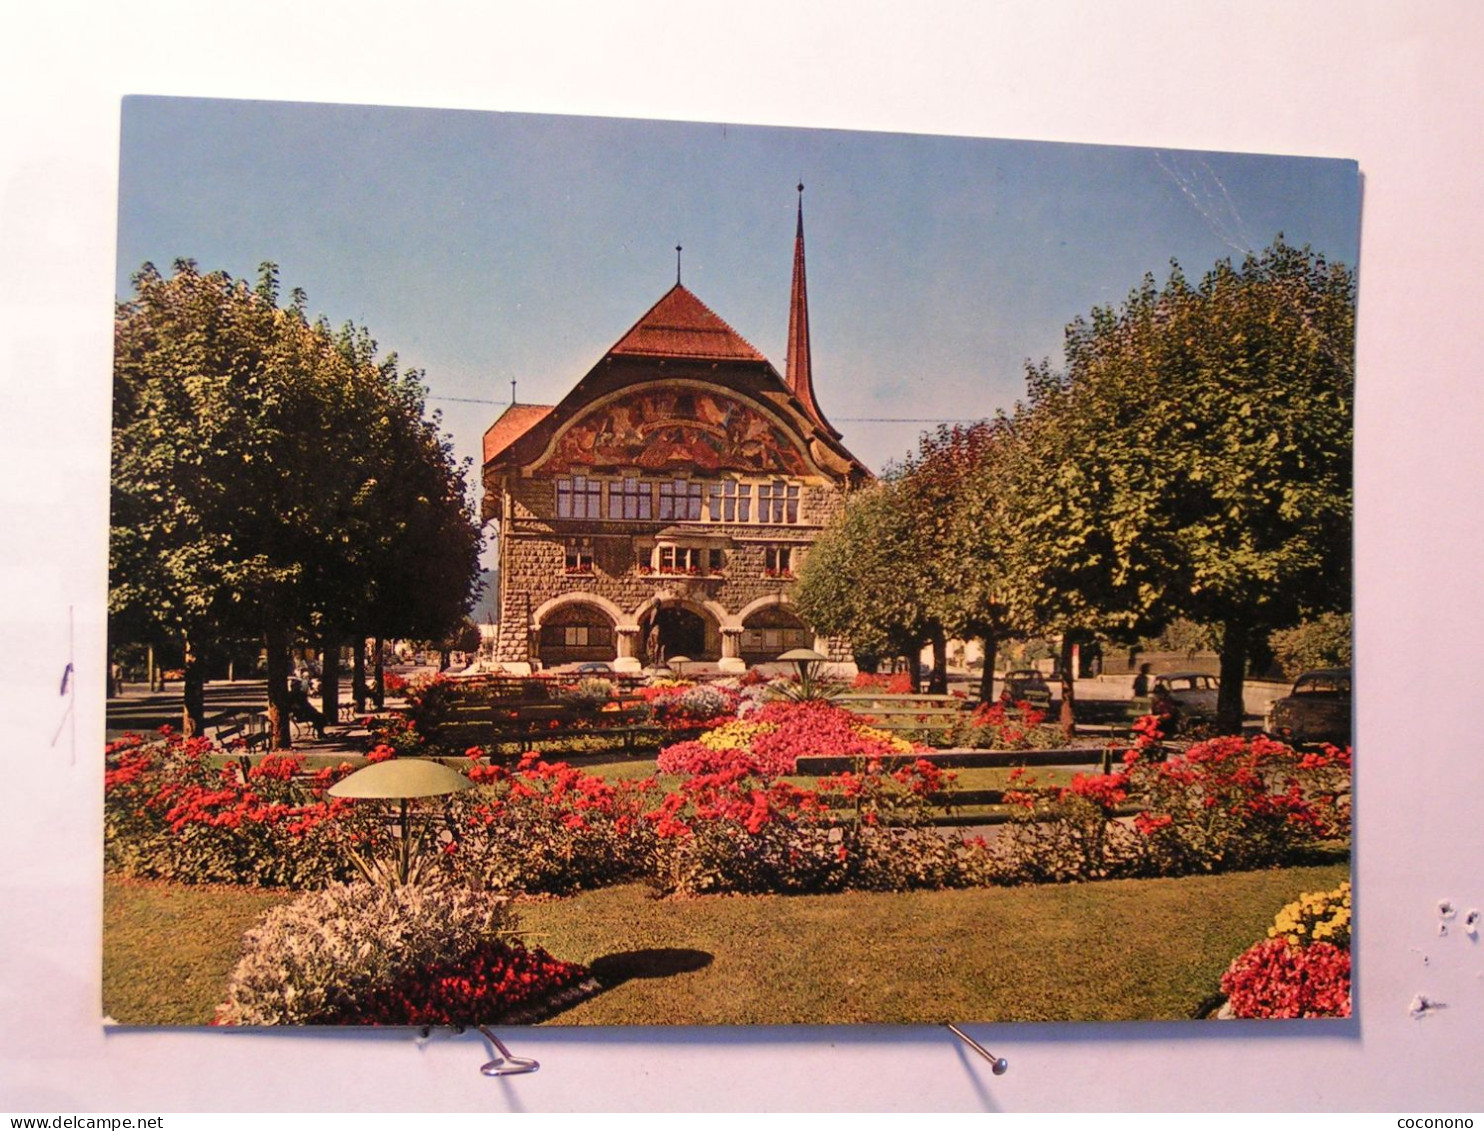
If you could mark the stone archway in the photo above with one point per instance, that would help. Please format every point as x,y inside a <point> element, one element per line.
<point>673,626</point>
<point>576,630</point>
<point>768,630</point>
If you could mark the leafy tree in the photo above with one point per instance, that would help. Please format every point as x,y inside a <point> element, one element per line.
<point>1194,459</point>
<point>271,479</point>
<point>960,494</point>
<point>1323,642</point>
<point>868,579</point>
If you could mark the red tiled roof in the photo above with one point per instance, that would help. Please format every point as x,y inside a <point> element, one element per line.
<point>513,423</point>
<point>681,325</point>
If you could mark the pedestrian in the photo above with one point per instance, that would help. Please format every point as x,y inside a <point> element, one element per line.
<point>1141,682</point>
<point>1163,707</point>
<point>301,709</point>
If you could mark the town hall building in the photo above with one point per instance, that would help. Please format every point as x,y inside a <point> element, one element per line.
<point>663,507</point>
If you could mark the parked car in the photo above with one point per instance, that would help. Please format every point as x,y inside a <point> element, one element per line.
<point>1316,710</point>
<point>1026,685</point>
<point>1194,693</point>
<point>595,667</point>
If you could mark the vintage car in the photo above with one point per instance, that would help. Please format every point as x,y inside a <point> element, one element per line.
<point>1193,692</point>
<point>1026,685</point>
<point>1316,710</point>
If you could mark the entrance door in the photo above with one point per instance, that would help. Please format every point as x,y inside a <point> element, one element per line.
<point>682,633</point>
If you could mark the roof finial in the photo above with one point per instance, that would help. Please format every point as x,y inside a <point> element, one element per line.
<point>677,265</point>
<point>800,234</point>
<point>512,390</point>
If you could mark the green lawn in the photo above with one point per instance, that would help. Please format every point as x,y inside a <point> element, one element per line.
<point>1125,949</point>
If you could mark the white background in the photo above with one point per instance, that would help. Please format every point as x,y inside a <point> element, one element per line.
<point>1395,86</point>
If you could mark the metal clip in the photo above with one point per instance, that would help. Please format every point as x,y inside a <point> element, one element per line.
<point>505,1063</point>
<point>997,1064</point>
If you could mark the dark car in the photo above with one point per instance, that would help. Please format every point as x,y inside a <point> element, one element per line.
<point>1027,686</point>
<point>1195,693</point>
<point>1316,710</point>
<point>595,667</point>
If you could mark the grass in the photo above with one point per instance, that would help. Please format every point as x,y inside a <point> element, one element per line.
<point>168,948</point>
<point>1124,949</point>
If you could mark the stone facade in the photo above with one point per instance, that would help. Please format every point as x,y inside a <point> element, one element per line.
<point>665,504</point>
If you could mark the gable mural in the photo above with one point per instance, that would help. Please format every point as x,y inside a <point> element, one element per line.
<point>673,427</point>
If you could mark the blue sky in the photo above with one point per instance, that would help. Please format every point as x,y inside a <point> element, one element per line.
<point>485,247</point>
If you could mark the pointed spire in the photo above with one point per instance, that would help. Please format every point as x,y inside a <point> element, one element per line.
<point>799,366</point>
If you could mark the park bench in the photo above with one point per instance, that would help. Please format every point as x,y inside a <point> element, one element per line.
<point>905,712</point>
<point>249,727</point>
<point>526,723</point>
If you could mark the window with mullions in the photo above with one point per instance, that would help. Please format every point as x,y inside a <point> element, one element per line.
<point>777,561</point>
<point>579,497</point>
<point>680,559</point>
<point>680,500</point>
<point>778,502</point>
<point>730,501</point>
<point>631,499</point>
<point>579,558</point>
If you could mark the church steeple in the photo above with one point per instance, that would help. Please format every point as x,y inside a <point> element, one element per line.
<point>799,368</point>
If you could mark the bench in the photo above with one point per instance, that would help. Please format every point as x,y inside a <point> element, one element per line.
<point>248,727</point>
<point>526,723</point>
<point>905,712</point>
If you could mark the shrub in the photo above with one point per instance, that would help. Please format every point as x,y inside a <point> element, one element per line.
<point>1235,802</point>
<point>733,832</point>
<point>171,812</point>
<point>1320,643</point>
<point>899,683</point>
<point>999,726</point>
<point>547,827</point>
<point>1067,835</point>
<point>1274,979</point>
<point>689,706</point>
<point>590,693</point>
<point>364,954</point>
<point>1224,804</point>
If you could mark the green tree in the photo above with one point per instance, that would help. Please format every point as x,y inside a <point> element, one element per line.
<point>1323,642</point>
<point>866,579</point>
<point>270,478</point>
<point>1193,458</point>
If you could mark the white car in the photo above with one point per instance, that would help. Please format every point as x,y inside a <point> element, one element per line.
<point>1194,693</point>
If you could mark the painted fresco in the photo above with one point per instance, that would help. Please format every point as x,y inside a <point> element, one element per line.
<point>673,427</point>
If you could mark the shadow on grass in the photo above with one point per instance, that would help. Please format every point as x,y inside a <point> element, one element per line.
<point>665,962</point>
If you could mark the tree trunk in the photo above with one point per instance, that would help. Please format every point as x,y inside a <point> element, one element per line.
<point>378,693</point>
<point>1068,718</point>
<point>276,640</point>
<point>329,679</point>
<point>986,678</point>
<point>1229,700</point>
<point>914,667</point>
<point>938,685</point>
<point>358,692</point>
<point>193,716</point>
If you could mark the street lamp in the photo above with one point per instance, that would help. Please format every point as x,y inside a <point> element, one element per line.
<point>400,780</point>
<point>807,661</point>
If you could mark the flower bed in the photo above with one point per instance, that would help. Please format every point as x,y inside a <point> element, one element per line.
<point>362,954</point>
<point>770,741</point>
<point>1224,804</point>
<point>1302,969</point>
<point>172,812</point>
